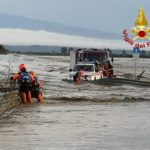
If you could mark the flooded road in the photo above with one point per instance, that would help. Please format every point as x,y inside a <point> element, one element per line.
<point>78,126</point>
<point>81,125</point>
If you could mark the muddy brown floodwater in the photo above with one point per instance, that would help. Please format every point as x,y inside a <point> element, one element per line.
<point>121,124</point>
<point>78,126</point>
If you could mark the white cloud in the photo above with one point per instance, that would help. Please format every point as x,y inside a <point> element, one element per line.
<point>29,37</point>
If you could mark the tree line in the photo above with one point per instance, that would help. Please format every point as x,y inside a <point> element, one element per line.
<point>66,52</point>
<point>3,50</point>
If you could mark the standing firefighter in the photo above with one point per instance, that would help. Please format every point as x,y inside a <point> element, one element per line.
<point>24,81</point>
<point>35,88</point>
<point>110,69</point>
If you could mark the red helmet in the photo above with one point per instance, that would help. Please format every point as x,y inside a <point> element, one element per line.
<point>22,67</point>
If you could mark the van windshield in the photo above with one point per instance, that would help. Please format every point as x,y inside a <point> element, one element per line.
<point>89,68</point>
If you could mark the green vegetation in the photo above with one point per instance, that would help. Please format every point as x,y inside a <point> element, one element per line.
<point>3,50</point>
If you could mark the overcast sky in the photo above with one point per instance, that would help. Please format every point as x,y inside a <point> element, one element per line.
<point>105,15</point>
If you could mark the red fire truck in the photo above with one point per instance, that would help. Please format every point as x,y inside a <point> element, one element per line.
<point>97,63</point>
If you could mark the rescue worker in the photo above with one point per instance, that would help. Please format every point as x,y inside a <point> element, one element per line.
<point>80,74</point>
<point>35,88</point>
<point>24,81</point>
<point>97,65</point>
<point>76,78</point>
<point>110,68</point>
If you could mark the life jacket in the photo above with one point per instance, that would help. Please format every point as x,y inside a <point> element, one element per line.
<point>35,83</point>
<point>25,79</point>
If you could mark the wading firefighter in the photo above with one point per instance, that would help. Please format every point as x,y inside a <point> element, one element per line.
<point>35,88</point>
<point>24,80</point>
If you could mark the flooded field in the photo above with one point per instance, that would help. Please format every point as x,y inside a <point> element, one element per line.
<point>53,73</point>
<point>78,126</point>
<point>73,117</point>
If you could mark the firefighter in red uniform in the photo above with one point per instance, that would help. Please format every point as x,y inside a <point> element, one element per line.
<point>110,69</point>
<point>79,75</point>
<point>24,81</point>
<point>35,88</point>
<point>76,78</point>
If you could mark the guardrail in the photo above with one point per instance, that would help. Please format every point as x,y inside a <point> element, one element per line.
<point>8,96</point>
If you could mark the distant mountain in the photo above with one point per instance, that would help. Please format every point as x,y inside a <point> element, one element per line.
<point>18,22</point>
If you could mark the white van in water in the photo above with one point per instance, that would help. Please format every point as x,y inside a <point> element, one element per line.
<point>89,70</point>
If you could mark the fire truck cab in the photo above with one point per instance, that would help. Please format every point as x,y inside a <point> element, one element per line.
<point>87,60</point>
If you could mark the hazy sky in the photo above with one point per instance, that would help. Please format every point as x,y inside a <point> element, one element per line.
<point>106,15</point>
